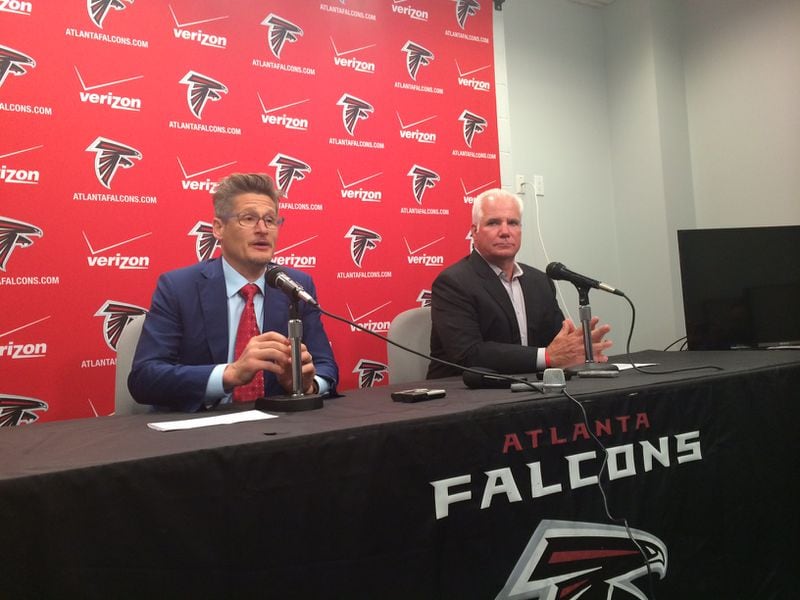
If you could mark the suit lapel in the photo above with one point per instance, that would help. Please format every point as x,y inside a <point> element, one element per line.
<point>214,302</point>
<point>495,288</point>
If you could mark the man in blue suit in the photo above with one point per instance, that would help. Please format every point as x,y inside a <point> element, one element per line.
<point>185,357</point>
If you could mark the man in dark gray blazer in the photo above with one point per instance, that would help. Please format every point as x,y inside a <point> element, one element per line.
<point>490,311</point>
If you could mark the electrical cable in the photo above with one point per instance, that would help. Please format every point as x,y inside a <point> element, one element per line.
<point>675,342</point>
<point>612,518</point>
<point>385,338</point>
<point>665,372</point>
<point>544,249</point>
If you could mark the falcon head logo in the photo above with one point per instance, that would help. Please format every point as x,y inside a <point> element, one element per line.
<point>13,62</point>
<point>206,243</point>
<point>416,57</point>
<point>421,180</point>
<point>472,124</point>
<point>201,89</point>
<point>353,109</point>
<point>569,560</point>
<point>280,31</point>
<point>464,9</point>
<point>361,240</point>
<point>12,234</point>
<point>424,298</point>
<point>116,317</point>
<point>98,9</point>
<point>287,169</point>
<point>370,372</point>
<point>16,410</point>
<point>110,156</point>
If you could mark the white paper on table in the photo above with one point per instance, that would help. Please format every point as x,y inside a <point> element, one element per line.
<point>226,419</point>
<point>625,366</point>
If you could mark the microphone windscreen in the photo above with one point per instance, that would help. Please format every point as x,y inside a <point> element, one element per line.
<point>555,270</point>
<point>272,276</point>
<point>485,379</point>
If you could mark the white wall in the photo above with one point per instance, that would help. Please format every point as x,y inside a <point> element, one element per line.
<point>642,119</point>
<point>743,92</point>
<point>558,106</point>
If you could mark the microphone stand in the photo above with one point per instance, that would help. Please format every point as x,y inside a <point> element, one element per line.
<point>589,368</point>
<point>297,401</point>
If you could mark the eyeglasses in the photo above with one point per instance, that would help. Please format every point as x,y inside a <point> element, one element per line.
<point>251,220</point>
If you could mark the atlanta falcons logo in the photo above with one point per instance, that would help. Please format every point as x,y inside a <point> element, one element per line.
<point>422,179</point>
<point>201,89</point>
<point>424,298</point>
<point>464,9</point>
<point>116,317</point>
<point>361,240</point>
<point>416,57</point>
<point>16,410</point>
<point>569,560</point>
<point>110,156</point>
<point>370,372</point>
<point>206,243</point>
<point>287,169</point>
<point>12,234</point>
<point>353,109</point>
<point>280,31</point>
<point>98,9</point>
<point>13,62</point>
<point>472,124</point>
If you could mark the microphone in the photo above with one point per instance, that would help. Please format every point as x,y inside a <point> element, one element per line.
<point>556,270</point>
<point>279,279</point>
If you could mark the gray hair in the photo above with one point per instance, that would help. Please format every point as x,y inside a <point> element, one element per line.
<point>242,183</point>
<point>493,194</point>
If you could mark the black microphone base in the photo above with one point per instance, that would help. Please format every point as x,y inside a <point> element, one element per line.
<point>593,369</point>
<point>290,403</point>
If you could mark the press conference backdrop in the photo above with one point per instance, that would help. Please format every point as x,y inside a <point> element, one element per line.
<point>377,119</point>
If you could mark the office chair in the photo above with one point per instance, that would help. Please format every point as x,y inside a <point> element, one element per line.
<point>124,404</point>
<point>411,328</point>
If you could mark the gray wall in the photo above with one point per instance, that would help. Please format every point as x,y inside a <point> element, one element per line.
<point>645,117</point>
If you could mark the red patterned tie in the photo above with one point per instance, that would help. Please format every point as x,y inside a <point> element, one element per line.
<point>248,327</point>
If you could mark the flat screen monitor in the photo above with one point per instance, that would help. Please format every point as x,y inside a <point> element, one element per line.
<point>741,287</point>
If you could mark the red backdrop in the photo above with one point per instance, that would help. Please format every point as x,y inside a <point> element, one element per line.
<point>376,117</point>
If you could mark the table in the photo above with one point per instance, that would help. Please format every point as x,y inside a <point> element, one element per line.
<point>482,494</point>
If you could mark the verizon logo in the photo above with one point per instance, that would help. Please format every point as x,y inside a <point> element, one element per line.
<point>465,79</point>
<point>8,175</point>
<point>114,101</point>
<point>355,64</point>
<point>117,261</point>
<point>16,7</point>
<point>268,116</point>
<point>204,39</point>
<point>410,131</point>
<point>296,261</point>
<point>359,193</point>
<point>190,184</point>
<point>369,324</point>
<point>426,260</point>
<point>13,350</point>
<point>341,59</point>
<point>409,11</point>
